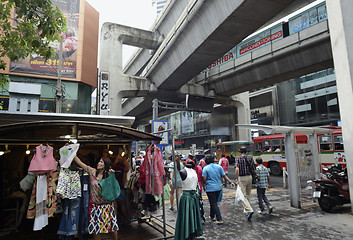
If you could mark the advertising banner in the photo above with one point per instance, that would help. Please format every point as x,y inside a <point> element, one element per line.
<point>260,40</point>
<point>159,126</point>
<point>37,65</point>
<point>187,122</point>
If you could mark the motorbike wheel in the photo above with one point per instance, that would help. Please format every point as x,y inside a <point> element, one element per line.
<point>326,203</point>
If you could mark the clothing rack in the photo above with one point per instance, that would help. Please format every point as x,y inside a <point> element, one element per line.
<point>163,205</point>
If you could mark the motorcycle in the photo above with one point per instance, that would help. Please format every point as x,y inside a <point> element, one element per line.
<point>332,189</point>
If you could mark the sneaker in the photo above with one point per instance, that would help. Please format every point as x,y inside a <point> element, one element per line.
<point>212,219</point>
<point>250,215</point>
<point>260,212</point>
<point>270,210</point>
<point>219,222</point>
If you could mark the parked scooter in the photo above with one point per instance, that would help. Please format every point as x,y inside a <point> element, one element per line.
<point>332,189</point>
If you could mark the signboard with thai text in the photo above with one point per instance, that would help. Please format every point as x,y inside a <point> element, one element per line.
<point>36,64</point>
<point>104,94</point>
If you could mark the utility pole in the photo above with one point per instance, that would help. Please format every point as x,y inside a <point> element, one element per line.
<point>155,109</point>
<point>59,92</point>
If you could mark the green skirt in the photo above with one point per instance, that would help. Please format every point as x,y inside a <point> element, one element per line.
<point>189,221</point>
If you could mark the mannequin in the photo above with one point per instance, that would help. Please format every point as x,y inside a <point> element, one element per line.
<point>189,221</point>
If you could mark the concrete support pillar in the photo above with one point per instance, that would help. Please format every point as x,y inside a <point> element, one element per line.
<point>341,34</point>
<point>243,114</point>
<point>111,61</point>
<point>292,165</point>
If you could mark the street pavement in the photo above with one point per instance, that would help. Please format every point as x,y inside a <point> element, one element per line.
<point>286,222</point>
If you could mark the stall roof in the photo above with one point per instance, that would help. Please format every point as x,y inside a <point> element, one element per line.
<point>7,117</point>
<point>58,131</point>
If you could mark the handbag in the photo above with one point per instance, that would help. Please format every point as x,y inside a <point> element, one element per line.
<point>253,175</point>
<point>110,187</point>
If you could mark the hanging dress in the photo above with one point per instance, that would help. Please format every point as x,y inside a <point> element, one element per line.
<point>189,220</point>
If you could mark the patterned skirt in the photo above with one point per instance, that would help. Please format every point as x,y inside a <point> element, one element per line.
<point>102,219</point>
<point>189,220</point>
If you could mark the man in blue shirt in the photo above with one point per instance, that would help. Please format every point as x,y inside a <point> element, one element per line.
<point>263,182</point>
<point>212,179</point>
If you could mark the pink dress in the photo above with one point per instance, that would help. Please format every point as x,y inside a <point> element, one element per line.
<point>43,160</point>
<point>154,170</point>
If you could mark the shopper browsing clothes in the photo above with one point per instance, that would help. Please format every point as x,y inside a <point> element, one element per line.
<point>102,217</point>
<point>189,220</point>
<point>212,178</point>
<point>175,185</point>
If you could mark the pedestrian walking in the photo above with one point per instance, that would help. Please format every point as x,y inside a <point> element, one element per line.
<point>224,164</point>
<point>212,178</point>
<point>263,182</point>
<point>202,163</point>
<point>189,219</point>
<point>244,164</point>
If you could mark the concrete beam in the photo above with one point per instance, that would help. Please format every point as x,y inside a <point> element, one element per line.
<point>299,54</point>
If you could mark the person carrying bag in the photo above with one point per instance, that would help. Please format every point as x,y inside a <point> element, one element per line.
<point>110,188</point>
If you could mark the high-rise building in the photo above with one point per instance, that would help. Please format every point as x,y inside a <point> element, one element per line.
<point>159,5</point>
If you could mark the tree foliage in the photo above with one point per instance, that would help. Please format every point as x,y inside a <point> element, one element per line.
<point>34,24</point>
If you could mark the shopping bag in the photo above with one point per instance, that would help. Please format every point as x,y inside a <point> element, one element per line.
<point>239,196</point>
<point>110,187</point>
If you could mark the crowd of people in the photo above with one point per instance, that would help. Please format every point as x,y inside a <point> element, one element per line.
<point>210,176</point>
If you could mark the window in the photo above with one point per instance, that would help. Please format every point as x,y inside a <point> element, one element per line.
<point>29,106</point>
<point>325,143</point>
<point>283,146</point>
<point>227,148</point>
<point>338,142</point>
<point>266,145</point>
<point>258,147</point>
<point>276,145</point>
<point>18,105</point>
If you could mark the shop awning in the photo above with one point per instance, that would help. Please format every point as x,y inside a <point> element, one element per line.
<point>59,131</point>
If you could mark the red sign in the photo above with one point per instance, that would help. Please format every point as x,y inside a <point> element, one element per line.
<point>261,42</point>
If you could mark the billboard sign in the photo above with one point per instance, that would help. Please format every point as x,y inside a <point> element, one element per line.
<point>157,127</point>
<point>37,65</point>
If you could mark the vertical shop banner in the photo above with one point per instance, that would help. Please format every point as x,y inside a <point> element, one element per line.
<point>104,94</point>
<point>37,65</point>
<point>187,122</point>
<point>158,126</point>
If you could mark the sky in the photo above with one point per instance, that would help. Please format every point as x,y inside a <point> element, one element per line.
<point>133,13</point>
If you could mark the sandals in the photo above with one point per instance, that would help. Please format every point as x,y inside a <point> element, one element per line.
<point>171,209</point>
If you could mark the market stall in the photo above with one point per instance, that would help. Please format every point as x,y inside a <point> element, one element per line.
<point>18,145</point>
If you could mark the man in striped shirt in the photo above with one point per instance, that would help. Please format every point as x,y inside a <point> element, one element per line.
<point>244,165</point>
<point>263,182</point>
